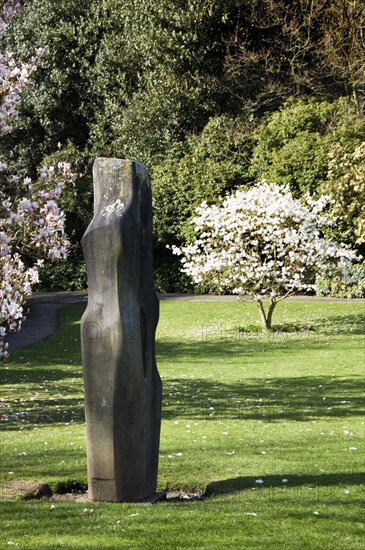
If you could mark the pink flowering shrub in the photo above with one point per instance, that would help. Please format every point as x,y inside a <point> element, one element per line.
<point>31,223</point>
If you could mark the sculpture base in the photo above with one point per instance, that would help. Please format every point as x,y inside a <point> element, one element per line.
<point>106,490</point>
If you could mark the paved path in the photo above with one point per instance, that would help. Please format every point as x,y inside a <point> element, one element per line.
<point>42,319</point>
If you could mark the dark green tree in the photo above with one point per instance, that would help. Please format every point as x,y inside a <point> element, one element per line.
<point>142,79</point>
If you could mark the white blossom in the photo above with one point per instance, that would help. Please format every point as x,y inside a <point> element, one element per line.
<point>263,242</point>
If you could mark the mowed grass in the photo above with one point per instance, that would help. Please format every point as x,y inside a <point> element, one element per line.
<point>269,426</point>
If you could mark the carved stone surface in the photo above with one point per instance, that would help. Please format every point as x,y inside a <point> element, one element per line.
<point>122,384</point>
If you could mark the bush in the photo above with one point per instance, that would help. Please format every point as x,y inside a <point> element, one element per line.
<point>346,183</point>
<point>66,275</point>
<point>293,144</point>
<point>263,243</point>
<point>202,167</point>
<point>76,201</point>
<point>337,288</point>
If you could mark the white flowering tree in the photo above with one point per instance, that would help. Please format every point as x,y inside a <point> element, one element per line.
<point>264,243</point>
<point>31,223</point>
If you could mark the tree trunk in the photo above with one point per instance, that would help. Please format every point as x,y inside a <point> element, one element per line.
<point>266,318</point>
<point>270,313</point>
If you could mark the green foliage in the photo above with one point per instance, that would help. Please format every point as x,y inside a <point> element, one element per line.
<point>55,115</point>
<point>203,167</point>
<point>142,79</point>
<point>338,288</point>
<point>76,201</point>
<point>159,61</point>
<point>346,184</point>
<point>343,46</point>
<point>69,274</point>
<point>293,144</point>
<point>55,105</point>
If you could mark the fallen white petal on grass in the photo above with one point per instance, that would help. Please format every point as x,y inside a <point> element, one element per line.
<point>259,481</point>
<point>250,514</point>
<point>284,480</point>
<point>87,511</point>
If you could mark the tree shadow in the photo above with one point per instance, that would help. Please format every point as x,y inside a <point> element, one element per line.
<point>270,400</point>
<point>245,483</point>
<point>237,347</point>
<point>33,374</point>
<point>334,325</point>
<point>28,414</point>
<point>299,398</point>
<point>58,461</point>
<point>317,326</point>
<point>342,324</point>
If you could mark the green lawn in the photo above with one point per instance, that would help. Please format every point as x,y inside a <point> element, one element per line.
<point>269,426</point>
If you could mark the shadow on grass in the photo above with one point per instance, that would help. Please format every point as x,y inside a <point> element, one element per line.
<point>342,324</point>
<point>271,400</point>
<point>28,414</point>
<point>47,463</point>
<point>220,341</point>
<point>316,327</point>
<point>232,485</point>
<point>274,399</point>
<point>38,374</point>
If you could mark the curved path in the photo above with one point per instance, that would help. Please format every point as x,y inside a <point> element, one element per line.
<point>42,317</point>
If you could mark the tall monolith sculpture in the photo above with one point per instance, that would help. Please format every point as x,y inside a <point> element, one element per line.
<point>122,384</point>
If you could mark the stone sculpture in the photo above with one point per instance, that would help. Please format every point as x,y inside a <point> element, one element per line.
<point>122,384</point>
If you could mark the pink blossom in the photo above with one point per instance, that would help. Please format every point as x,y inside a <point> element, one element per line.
<point>31,222</point>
